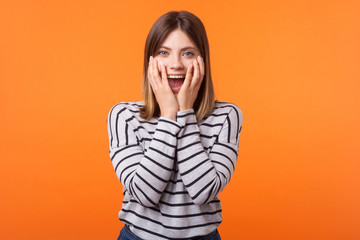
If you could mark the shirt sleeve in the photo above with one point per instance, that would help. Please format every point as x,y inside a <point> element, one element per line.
<point>144,174</point>
<point>206,175</point>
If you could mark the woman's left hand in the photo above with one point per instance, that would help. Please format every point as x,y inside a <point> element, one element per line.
<point>190,88</point>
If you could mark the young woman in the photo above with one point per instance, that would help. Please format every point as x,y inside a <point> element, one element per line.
<point>176,150</point>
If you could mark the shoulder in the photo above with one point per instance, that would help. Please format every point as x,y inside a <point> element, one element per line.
<point>125,109</point>
<point>226,107</point>
<point>227,110</point>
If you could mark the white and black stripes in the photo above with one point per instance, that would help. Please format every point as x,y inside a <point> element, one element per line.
<point>173,170</point>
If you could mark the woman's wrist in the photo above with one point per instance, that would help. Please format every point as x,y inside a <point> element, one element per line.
<point>171,116</point>
<point>185,108</point>
<point>187,111</point>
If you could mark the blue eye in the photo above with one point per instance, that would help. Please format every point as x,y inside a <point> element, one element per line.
<point>162,53</point>
<point>188,54</point>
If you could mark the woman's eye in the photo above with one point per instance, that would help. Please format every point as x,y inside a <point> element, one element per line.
<point>162,53</point>
<point>188,54</point>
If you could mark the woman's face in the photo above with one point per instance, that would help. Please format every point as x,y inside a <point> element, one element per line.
<point>176,53</point>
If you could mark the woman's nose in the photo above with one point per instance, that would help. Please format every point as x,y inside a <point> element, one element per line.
<point>176,63</point>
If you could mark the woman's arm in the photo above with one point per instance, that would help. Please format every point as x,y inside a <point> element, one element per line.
<point>206,175</point>
<point>143,174</point>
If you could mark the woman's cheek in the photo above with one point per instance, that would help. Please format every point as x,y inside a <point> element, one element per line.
<point>190,62</point>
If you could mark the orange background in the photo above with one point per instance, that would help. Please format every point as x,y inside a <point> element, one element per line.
<point>291,66</point>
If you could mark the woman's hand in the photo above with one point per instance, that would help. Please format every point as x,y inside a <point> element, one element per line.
<point>190,88</point>
<point>163,93</point>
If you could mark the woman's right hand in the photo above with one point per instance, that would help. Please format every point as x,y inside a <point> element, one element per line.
<point>165,97</point>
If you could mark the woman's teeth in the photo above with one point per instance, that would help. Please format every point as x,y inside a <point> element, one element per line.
<point>176,76</point>
<point>175,81</point>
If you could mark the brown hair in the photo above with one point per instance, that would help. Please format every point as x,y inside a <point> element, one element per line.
<point>193,27</point>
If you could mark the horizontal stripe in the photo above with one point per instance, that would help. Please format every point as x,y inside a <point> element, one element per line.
<point>161,161</point>
<point>193,168</point>
<point>154,189</point>
<point>174,205</point>
<point>133,104</point>
<point>190,157</point>
<point>161,202</point>
<point>175,193</point>
<point>143,229</point>
<point>167,132</point>
<point>138,128</point>
<point>130,119</point>
<point>227,146</point>
<point>156,233</point>
<point>223,155</point>
<point>187,146</point>
<point>169,122</point>
<point>189,124</point>
<point>134,110</point>
<point>200,177</point>
<point>189,134</point>
<point>127,157</point>
<point>155,175</point>
<point>164,142</point>
<point>147,122</point>
<point>126,168</point>
<point>184,115</point>
<point>145,195</point>
<point>160,165</point>
<point>167,226</point>
<point>145,139</point>
<point>211,125</point>
<point>203,189</point>
<point>222,165</point>
<point>207,136</point>
<point>215,115</point>
<point>161,153</point>
<point>127,176</point>
<point>124,148</point>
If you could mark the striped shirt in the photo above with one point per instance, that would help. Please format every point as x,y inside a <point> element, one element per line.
<point>173,171</point>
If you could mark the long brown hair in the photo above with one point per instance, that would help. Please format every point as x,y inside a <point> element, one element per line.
<point>193,27</point>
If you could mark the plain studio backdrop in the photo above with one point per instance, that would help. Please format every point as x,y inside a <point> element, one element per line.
<point>291,66</point>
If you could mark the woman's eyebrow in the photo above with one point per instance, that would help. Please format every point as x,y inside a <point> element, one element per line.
<point>182,49</point>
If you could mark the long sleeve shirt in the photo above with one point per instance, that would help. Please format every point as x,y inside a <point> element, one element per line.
<point>173,171</point>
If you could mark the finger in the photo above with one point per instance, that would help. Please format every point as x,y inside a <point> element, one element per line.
<point>164,75</point>
<point>149,70</point>
<point>188,77</point>
<point>202,67</point>
<point>150,73</point>
<point>155,74</point>
<point>156,71</point>
<point>196,77</point>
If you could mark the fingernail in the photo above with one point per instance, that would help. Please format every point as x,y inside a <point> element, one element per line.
<point>195,61</point>
<point>150,58</point>
<point>199,58</point>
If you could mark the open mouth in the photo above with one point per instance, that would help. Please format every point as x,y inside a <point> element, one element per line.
<point>176,81</point>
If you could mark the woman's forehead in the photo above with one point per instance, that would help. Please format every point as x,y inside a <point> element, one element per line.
<point>177,39</point>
